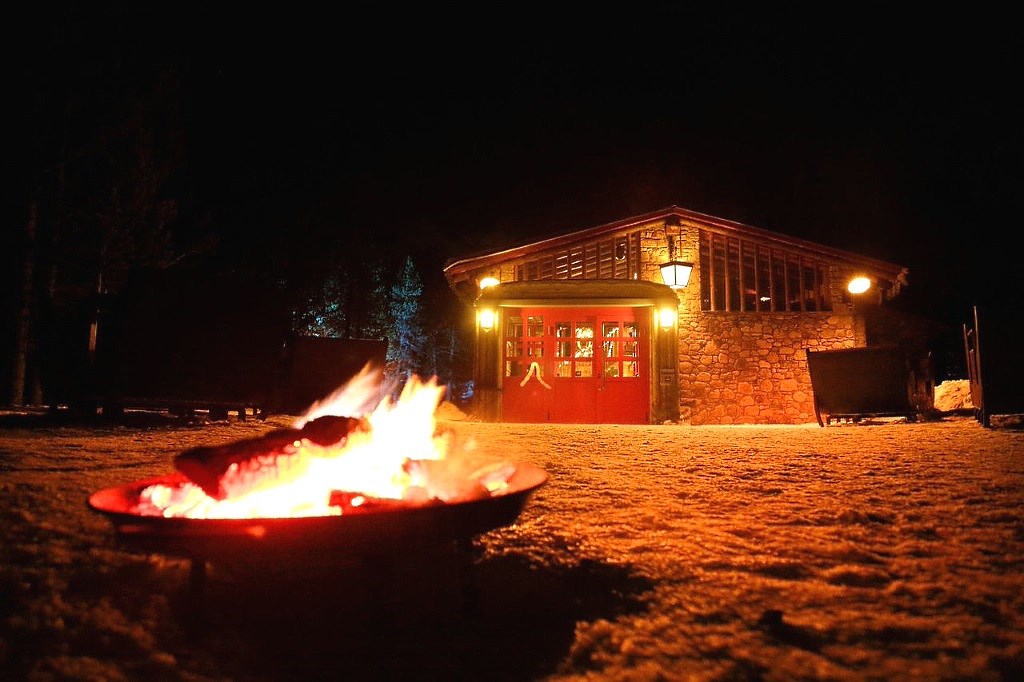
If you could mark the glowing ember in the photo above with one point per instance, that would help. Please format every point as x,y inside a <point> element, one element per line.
<point>390,455</point>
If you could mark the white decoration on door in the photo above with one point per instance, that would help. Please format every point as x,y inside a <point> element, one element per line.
<point>535,371</point>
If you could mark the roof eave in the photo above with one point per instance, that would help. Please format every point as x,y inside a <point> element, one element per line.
<point>890,270</point>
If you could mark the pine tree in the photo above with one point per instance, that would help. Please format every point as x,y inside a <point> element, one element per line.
<point>323,314</point>
<point>405,335</point>
<point>377,319</point>
<point>449,341</point>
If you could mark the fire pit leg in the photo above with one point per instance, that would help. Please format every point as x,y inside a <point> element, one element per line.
<point>194,615</point>
<point>467,577</point>
<point>197,579</point>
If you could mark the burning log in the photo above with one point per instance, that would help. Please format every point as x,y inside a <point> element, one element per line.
<point>361,503</point>
<point>234,469</point>
<point>456,481</point>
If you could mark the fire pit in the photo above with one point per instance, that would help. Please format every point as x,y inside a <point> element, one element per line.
<point>334,487</point>
<point>377,532</point>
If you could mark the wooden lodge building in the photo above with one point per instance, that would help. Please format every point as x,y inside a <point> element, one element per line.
<point>584,327</point>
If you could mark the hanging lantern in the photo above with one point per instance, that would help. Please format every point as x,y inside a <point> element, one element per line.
<point>675,273</point>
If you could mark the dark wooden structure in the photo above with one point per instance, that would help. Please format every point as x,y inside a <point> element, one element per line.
<point>176,341</point>
<point>211,357</point>
<point>875,381</point>
<point>994,368</point>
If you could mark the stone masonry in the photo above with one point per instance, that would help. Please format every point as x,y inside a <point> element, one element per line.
<point>746,368</point>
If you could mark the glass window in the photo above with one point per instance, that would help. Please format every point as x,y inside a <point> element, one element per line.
<point>584,340</point>
<point>749,300</point>
<point>764,279</point>
<point>742,275</point>
<point>809,287</point>
<point>732,271</point>
<point>704,264</point>
<point>778,283</point>
<point>563,349</point>
<point>793,291</point>
<point>718,273</point>
<point>610,348</point>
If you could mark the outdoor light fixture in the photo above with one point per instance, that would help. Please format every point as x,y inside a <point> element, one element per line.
<point>485,317</point>
<point>675,273</point>
<point>858,285</point>
<point>666,318</point>
<point>488,282</point>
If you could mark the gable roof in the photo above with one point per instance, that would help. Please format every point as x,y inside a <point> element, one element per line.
<point>458,269</point>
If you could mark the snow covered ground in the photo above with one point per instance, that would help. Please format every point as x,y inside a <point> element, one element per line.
<point>881,550</point>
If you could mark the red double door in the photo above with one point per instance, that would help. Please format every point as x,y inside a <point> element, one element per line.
<point>576,365</point>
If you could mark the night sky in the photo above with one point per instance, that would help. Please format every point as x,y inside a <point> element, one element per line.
<point>440,135</point>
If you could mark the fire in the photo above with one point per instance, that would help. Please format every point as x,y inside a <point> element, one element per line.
<point>397,456</point>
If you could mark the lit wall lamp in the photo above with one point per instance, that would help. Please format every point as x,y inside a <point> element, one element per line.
<point>675,273</point>
<point>858,285</point>
<point>485,317</point>
<point>666,318</point>
<point>488,282</point>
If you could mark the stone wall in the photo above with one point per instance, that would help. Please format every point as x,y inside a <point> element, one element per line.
<point>746,368</point>
<point>737,368</point>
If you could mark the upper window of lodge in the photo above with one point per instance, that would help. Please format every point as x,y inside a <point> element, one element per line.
<point>740,275</point>
<point>612,258</point>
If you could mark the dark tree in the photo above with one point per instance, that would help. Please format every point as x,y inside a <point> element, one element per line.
<point>405,335</point>
<point>448,350</point>
<point>343,295</point>
<point>375,321</point>
<point>322,313</point>
<point>104,182</point>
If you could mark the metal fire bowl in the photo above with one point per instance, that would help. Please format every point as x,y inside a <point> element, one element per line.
<point>371,533</point>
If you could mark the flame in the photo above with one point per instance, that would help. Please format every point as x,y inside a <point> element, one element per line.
<point>401,456</point>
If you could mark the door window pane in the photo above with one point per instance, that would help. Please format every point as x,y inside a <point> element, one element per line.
<point>610,349</point>
<point>514,326</point>
<point>584,340</point>
<point>563,349</point>
<point>611,370</point>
